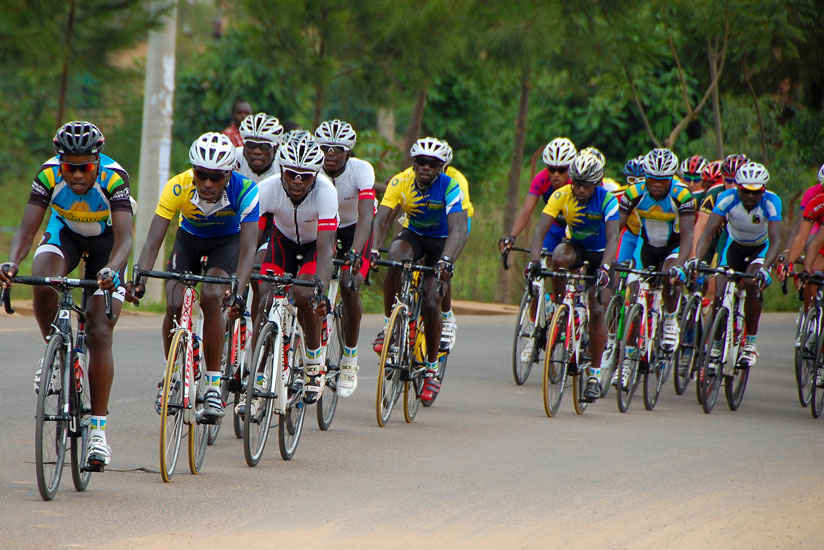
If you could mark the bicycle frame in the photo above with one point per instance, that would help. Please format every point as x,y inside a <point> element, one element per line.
<point>733,300</point>
<point>283,315</point>
<point>184,323</point>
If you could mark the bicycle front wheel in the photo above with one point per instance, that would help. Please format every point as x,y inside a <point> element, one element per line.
<point>734,387</point>
<point>81,408</point>
<point>656,371</point>
<point>268,354</point>
<point>413,387</point>
<point>328,402</point>
<point>51,428</point>
<point>805,361</point>
<point>556,361</point>
<point>394,357</point>
<point>686,357</point>
<point>612,353</point>
<point>524,339</point>
<point>816,389</point>
<point>634,346</point>
<point>710,375</point>
<point>171,406</point>
<point>198,432</point>
<point>290,424</point>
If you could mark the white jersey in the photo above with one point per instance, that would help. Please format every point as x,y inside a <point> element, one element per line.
<point>300,223</point>
<point>356,182</point>
<point>246,171</point>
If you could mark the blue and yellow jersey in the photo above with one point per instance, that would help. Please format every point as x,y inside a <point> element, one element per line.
<point>586,223</point>
<point>426,210</point>
<point>239,204</point>
<point>455,174</point>
<point>659,218</point>
<point>89,214</point>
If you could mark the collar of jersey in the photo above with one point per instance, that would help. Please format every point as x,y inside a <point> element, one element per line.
<point>208,207</point>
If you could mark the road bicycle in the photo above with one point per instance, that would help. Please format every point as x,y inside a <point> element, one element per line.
<point>810,375</point>
<point>804,348</point>
<point>402,364</point>
<point>332,342</point>
<point>184,382</point>
<point>615,316</point>
<point>63,407</point>
<point>234,367</point>
<point>688,356</point>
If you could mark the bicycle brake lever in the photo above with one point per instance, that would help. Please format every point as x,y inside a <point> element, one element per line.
<point>107,300</point>
<point>5,293</point>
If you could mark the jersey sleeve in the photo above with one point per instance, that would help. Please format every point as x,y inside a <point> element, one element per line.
<point>773,207</point>
<point>809,195</point>
<point>327,208</point>
<point>725,202</point>
<point>266,194</point>
<point>117,190</point>
<point>540,183</point>
<point>555,204</point>
<point>610,207</point>
<point>171,197</point>
<point>248,201</point>
<point>814,209</point>
<point>630,198</point>
<point>393,196</point>
<point>684,199</point>
<point>365,181</point>
<point>454,197</point>
<point>466,203</point>
<point>42,186</point>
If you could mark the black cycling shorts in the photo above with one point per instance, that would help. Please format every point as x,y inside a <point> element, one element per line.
<point>223,253</point>
<point>425,250</point>
<point>286,256</point>
<point>594,258</point>
<point>655,256</point>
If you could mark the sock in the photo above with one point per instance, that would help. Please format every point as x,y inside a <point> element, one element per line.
<point>259,380</point>
<point>385,321</point>
<point>213,378</point>
<point>432,366</point>
<point>312,360</point>
<point>595,373</point>
<point>669,316</point>
<point>97,426</point>
<point>350,352</point>
<point>751,338</point>
<point>448,315</point>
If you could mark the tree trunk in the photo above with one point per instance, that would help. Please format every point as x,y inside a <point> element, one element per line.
<point>503,292</point>
<point>415,122</point>
<point>757,111</point>
<point>319,98</point>
<point>386,125</point>
<point>64,77</point>
<point>716,105</point>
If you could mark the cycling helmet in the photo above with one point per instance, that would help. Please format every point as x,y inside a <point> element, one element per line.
<point>261,126</point>
<point>431,147</point>
<point>559,152</point>
<point>297,135</point>
<point>336,132</point>
<point>821,175</point>
<point>712,172</point>
<point>448,153</point>
<point>301,152</point>
<point>213,151</point>
<point>634,168</point>
<point>731,165</point>
<point>693,165</point>
<point>595,151</point>
<point>660,163</point>
<point>78,138</point>
<point>753,176</point>
<point>586,168</point>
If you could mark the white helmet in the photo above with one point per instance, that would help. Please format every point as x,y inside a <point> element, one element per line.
<point>587,168</point>
<point>449,156</point>
<point>559,152</point>
<point>753,176</point>
<point>431,147</point>
<point>213,151</point>
<point>660,163</point>
<point>301,152</point>
<point>336,132</point>
<point>595,151</point>
<point>296,135</point>
<point>261,126</point>
<point>821,175</point>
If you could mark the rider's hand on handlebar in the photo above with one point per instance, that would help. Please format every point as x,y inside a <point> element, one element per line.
<point>444,268</point>
<point>602,277</point>
<point>7,271</point>
<point>677,275</point>
<point>505,243</point>
<point>533,269</point>
<point>375,255</point>
<point>235,307</point>
<point>354,261</point>
<point>322,305</point>
<point>108,279</point>
<point>763,277</point>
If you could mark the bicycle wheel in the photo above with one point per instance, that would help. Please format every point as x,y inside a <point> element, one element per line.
<point>633,345</point>
<point>225,372</point>
<point>609,361</point>
<point>413,387</point>
<point>198,432</point>
<point>51,428</point>
<point>171,406</point>
<point>734,387</point>
<point>656,371</point>
<point>394,356</point>
<point>267,355</point>
<point>328,402</point>
<point>686,356</point>
<point>710,374</point>
<point>524,336</point>
<point>81,408</point>
<point>805,362</point>
<point>290,424</point>
<point>816,390</point>
<point>556,361</point>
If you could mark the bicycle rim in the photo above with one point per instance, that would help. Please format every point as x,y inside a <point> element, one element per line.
<point>51,435</point>
<point>579,384</point>
<point>290,424</point>
<point>328,402</point>
<point>711,370</point>
<point>393,357</point>
<point>612,353</point>
<point>805,364</point>
<point>198,438</point>
<point>256,428</point>
<point>685,355</point>
<point>171,401</point>
<point>82,409</point>
<point>734,387</point>
<point>556,361</point>
<point>524,333</point>
<point>817,393</point>
<point>633,353</point>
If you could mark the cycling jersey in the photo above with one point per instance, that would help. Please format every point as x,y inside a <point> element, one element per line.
<point>463,183</point>
<point>246,171</point>
<point>633,221</point>
<point>88,215</point>
<point>710,196</point>
<point>356,182</point>
<point>300,223</point>
<point>541,186</point>
<point>239,204</point>
<point>814,210</point>
<point>586,223</point>
<point>659,217</point>
<point>748,227</point>
<point>811,193</point>
<point>426,210</point>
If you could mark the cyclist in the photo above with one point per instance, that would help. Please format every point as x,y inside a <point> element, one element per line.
<point>810,194</point>
<point>303,205</point>
<point>591,214</point>
<point>812,217</point>
<point>354,181</point>
<point>634,173</point>
<point>753,217</point>
<point>667,214</point>
<point>218,218</point>
<point>433,231</point>
<point>691,172</point>
<point>90,215</point>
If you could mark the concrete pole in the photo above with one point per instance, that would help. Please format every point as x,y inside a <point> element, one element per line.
<point>156,137</point>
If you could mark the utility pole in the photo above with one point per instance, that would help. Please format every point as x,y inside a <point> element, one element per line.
<point>156,137</point>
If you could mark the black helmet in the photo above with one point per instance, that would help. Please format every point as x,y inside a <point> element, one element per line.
<point>78,138</point>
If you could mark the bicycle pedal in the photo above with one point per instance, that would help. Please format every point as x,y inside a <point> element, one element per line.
<point>234,385</point>
<point>94,468</point>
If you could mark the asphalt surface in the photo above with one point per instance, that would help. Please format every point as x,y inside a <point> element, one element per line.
<point>483,468</point>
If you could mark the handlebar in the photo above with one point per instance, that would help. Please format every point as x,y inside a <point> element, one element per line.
<point>505,254</point>
<point>728,272</point>
<point>63,283</point>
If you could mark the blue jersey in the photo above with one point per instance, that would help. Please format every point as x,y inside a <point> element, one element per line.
<point>748,227</point>
<point>426,210</point>
<point>586,223</point>
<point>659,217</point>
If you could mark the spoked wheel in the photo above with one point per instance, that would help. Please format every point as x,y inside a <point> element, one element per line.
<point>394,356</point>
<point>633,344</point>
<point>687,356</point>
<point>198,432</point>
<point>612,353</point>
<point>259,394</point>
<point>225,372</point>
<point>734,387</point>
<point>290,424</point>
<point>805,362</point>
<point>816,387</point>
<point>413,387</point>
<point>51,429</point>
<point>79,392</point>
<point>579,375</point>
<point>328,402</point>
<point>557,360</point>
<point>171,406</point>
<point>656,372</point>
<point>525,336</point>
<point>710,374</point>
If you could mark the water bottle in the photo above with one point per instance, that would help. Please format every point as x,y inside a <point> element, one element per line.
<point>324,333</point>
<point>196,356</point>
<point>245,329</point>
<point>80,362</point>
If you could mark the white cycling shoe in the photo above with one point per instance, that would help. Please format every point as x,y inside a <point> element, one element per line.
<point>348,379</point>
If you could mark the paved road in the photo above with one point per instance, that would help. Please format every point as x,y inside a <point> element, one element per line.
<point>483,468</point>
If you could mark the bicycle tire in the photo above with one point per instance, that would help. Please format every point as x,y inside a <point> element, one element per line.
<point>734,387</point>
<point>805,364</point>
<point>198,438</point>
<point>225,374</point>
<point>656,372</point>
<point>413,386</point>
<point>268,353</point>
<point>394,356</point>
<point>524,332</point>
<point>328,402</point>
<point>609,362</point>
<point>817,392</point>
<point>633,355</point>
<point>171,425</point>
<point>710,376</point>
<point>81,409</point>
<point>686,355</point>
<point>290,424</point>
<point>51,436</point>
<point>556,361</point>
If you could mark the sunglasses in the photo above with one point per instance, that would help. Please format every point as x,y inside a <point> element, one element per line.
<point>431,163</point>
<point>557,169</point>
<point>264,146</point>
<point>71,168</point>
<point>750,191</point>
<point>334,149</point>
<point>294,174</point>
<point>692,179</point>
<point>204,175</point>
<point>632,180</point>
